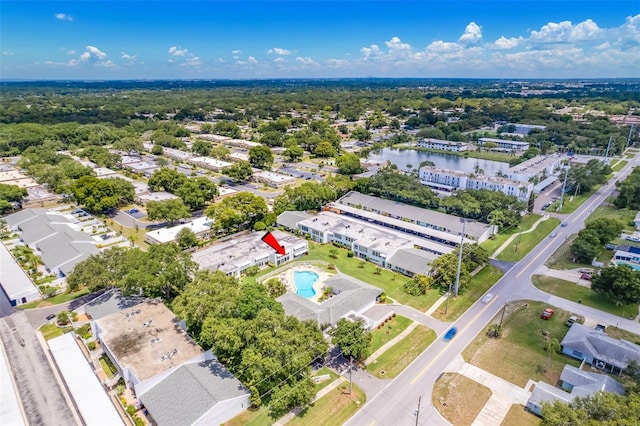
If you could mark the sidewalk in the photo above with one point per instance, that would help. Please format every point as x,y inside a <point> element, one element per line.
<point>390,343</point>
<point>291,414</point>
<point>511,238</point>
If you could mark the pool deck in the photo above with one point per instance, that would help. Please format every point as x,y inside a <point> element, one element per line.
<point>287,278</point>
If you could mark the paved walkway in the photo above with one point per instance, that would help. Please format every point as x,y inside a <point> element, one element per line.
<point>506,243</point>
<point>436,305</point>
<point>503,393</point>
<point>291,414</point>
<point>390,343</point>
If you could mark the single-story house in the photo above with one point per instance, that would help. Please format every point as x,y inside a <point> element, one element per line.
<point>598,349</point>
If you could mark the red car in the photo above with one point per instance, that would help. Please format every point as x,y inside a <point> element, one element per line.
<point>546,314</point>
<point>585,277</point>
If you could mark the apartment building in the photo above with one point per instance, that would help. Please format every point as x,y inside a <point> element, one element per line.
<point>505,145</point>
<point>443,145</point>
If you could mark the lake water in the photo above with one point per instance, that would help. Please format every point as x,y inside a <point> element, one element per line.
<point>445,161</point>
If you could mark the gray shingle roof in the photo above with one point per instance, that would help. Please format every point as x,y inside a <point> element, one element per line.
<point>412,260</point>
<point>616,352</point>
<point>544,392</point>
<point>586,382</point>
<point>290,219</point>
<point>191,391</point>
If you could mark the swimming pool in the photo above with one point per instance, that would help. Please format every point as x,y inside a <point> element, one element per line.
<point>634,267</point>
<point>304,281</point>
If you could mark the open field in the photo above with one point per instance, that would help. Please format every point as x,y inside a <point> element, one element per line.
<point>620,164</point>
<point>50,331</point>
<point>492,244</point>
<point>574,292</point>
<point>519,355</point>
<point>388,331</point>
<point>459,399</point>
<point>479,284</point>
<point>392,362</point>
<point>625,216</point>
<point>517,415</point>
<point>523,244</point>
<point>562,258</point>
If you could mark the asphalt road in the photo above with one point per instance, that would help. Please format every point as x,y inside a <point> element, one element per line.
<point>397,403</point>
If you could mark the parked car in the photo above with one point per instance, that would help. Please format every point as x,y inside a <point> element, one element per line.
<point>487,298</point>
<point>546,314</point>
<point>134,211</point>
<point>600,327</point>
<point>585,277</point>
<point>50,317</point>
<point>569,322</point>
<point>450,333</point>
<point>104,236</point>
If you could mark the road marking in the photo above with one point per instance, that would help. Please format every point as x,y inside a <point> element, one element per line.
<point>435,358</point>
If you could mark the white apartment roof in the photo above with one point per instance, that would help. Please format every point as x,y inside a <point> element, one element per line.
<point>104,172</point>
<point>157,196</point>
<point>536,164</point>
<point>172,152</point>
<point>166,235</point>
<point>92,401</point>
<point>239,156</point>
<point>274,177</point>
<point>444,172</point>
<point>520,143</point>
<point>241,142</point>
<point>223,191</point>
<point>214,138</point>
<point>440,141</point>
<point>211,162</point>
<point>14,280</point>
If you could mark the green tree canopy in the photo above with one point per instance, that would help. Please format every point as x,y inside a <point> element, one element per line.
<point>349,164</point>
<point>261,157</point>
<point>99,195</point>
<point>619,283</point>
<point>237,212</point>
<point>352,337</point>
<point>167,210</point>
<point>240,171</point>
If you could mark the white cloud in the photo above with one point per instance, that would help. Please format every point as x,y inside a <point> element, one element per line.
<point>192,62</point>
<point>278,59</point>
<point>566,32</point>
<point>252,60</point>
<point>85,56</point>
<point>108,63</point>
<point>125,55</point>
<point>337,63</point>
<point>472,34</point>
<point>94,51</point>
<point>70,52</point>
<point>279,51</point>
<point>7,53</point>
<point>305,61</point>
<point>236,52</point>
<point>177,51</point>
<point>63,17</point>
<point>220,60</point>
<point>504,43</point>
<point>370,52</point>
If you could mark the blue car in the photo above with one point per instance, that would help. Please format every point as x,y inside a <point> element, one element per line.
<point>134,211</point>
<point>450,333</point>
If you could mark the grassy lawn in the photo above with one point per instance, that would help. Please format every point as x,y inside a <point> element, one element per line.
<point>259,417</point>
<point>618,333</point>
<point>334,408</point>
<point>620,164</point>
<point>324,384</point>
<point>492,244</point>
<point>562,258</point>
<point>388,331</point>
<point>459,399</point>
<point>392,362</point>
<point>574,292</point>
<point>50,331</point>
<point>106,367</point>
<point>521,245</point>
<point>479,284</point>
<point>137,235</point>
<point>517,415</point>
<point>55,300</point>
<point>569,205</point>
<point>389,281</point>
<point>519,354</point>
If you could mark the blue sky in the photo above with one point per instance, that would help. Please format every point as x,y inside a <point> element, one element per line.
<point>265,39</point>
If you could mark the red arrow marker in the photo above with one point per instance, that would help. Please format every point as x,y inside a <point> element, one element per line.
<point>271,240</point>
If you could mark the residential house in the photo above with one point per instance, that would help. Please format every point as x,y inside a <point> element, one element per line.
<point>627,255</point>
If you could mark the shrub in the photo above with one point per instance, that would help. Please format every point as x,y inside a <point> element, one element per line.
<point>349,254</point>
<point>91,345</point>
<point>131,410</point>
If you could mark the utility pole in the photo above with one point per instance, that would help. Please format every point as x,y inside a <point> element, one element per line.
<point>504,308</point>
<point>564,185</point>
<point>606,155</point>
<point>350,368</point>
<point>464,222</point>
<point>418,410</point>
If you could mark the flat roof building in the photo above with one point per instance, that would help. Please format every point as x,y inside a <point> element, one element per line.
<point>274,180</point>
<point>505,145</point>
<point>143,199</point>
<point>443,145</point>
<point>200,226</point>
<point>15,283</point>
<point>541,166</point>
<point>209,163</point>
<point>236,255</point>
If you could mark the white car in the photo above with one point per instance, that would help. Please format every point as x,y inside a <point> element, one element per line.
<point>487,298</point>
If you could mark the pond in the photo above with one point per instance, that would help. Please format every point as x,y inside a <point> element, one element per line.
<point>445,161</point>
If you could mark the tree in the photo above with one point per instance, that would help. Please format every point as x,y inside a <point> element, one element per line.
<point>294,153</point>
<point>166,179</point>
<point>275,288</point>
<point>240,171</point>
<point>12,193</point>
<point>361,134</point>
<point>201,147</point>
<point>261,157</point>
<point>324,149</point>
<point>237,212</point>
<point>99,195</point>
<point>63,317</point>
<point>167,210</point>
<point>349,164</point>
<point>352,337</point>
<point>582,178</point>
<point>220,152</point>
<point>197,192</point>
<point>129,145</point>
<point>445,268</point>
<point>418,285</point>
<point>226,128</point>
<point>157,150</point>
<point>186,238</point>
<point>619,283</point>
<point>600,408</point>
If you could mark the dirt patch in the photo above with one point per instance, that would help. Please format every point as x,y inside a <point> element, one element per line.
<point>459,399</point>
